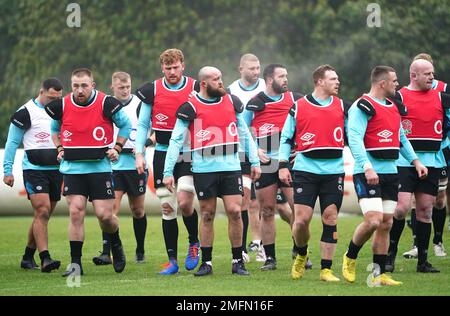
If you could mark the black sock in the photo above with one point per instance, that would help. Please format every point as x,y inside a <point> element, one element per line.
<point>302,251</point>
<point>413,225</point>
<point>394,236</point>
<point>44,254</point>
<point>76,251</point>
<point>237,253</point>
<point>353,250</point>
<point>170,231</point>
<point>326,264</point>
<point>270,250</point>
<point>244,215</point>
<point>191,223</point>
<point>140,228</point>
<point>115,239</point>
<point>207,253</point>
<point>380,260</point>
<point>29,253</point>
<point>438,224</point>
<point>423,241</point>
<point>106,244</point>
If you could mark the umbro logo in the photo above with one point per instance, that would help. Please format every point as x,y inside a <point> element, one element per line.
<point>67,134</point>
<point>266,128</point>
<point>42,135</point>
<point>161,117</point>
<point>307,137</point>
<point>202,133</point>
<point>385,136</point>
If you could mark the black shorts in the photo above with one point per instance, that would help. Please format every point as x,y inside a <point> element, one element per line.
<point>269,176</point>
<point>386,189</point>
<point>217,184</point>
<point>246,166</point>
<point>95,186</point>
<point>410,182</point>
<point>43,181</point>
<point>328,187</point>
<point>130,182</point>
<point>182,168</point>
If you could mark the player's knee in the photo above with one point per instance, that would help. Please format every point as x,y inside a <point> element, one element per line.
<point>268,211</point>
<point>138,211</point>
<point>424,215</point>
<point>329,217</point>
<point>167,201</point>
<point>386,225</point>
<point>42,212</point>
<point>301,223</point>
<point>329,234</point>
<point>440,202</point>
<point>234,213</point>
<point>185,206</point>
<point>105,217</point>
<point>207,216</point>
<point>186,184</point>
<point>76,216</point>
<point>373,223</point>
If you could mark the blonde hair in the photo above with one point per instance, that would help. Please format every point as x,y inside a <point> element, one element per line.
<point>248,57</point>
<point>121,75</point>
<point>170,56</point>
<point>424,56</point>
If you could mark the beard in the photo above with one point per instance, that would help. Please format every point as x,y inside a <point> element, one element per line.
<point>279,89</point>
<point>215,93</point>
<point>251,79</point>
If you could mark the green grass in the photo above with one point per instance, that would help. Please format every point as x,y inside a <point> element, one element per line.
<point>144,279</point>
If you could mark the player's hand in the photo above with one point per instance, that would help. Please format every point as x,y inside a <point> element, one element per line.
<point>285,176</point>
<point>422,171</point>
<point>292,157</point>
<point>169,182</point>
<point>140,163</point>
<point>262,156</point>
<point>371,177</point>
<point>255,173</point>
<point>60,156</point>
<point>112,154</point>
<point>9,180</point>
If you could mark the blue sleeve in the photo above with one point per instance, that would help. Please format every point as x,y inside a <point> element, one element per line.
<point>55,126</point>
<point>406,150</point>
<point>246,140</point>
<point>175,146</point>
<point>15,136</point>
<point>248,117</point>
<point>143,126</point>
<point>286,135</point>
<point>123,123</point>
<point>356,129</point>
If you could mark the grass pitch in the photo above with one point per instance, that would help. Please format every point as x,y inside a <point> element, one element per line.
<point>144,279</point>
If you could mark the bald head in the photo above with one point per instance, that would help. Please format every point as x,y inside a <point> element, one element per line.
<point>421,73</point>
<point>211,85</point>
<point>420,65</point>
<point>206,72</point>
